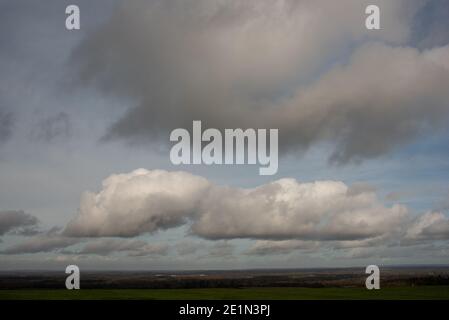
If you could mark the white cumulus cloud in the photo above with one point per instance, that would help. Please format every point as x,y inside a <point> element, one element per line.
<point>145,201</point>
<point>139,202</point>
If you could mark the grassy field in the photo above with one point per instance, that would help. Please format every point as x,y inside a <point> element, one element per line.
<point>402,293</point>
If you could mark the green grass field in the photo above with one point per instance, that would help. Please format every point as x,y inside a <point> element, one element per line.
<point>402,293</point>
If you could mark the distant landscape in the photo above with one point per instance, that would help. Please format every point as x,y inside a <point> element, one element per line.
<point>407,282</point>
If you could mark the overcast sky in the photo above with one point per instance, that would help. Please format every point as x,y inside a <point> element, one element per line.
<point>85,118</point>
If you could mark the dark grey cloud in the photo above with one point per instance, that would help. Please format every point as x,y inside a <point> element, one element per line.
<point>57,127</point>
<point>6,124</point>
<point>431,26</point>
<point>108,246</point>
<point>255,63</point>
<point>17,222</point>
<point>383,98</point>
<point>46,242</point>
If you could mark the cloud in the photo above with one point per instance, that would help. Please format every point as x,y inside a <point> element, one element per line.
<point>284,216</point>
<point>133,247</point>
<point>188,247</point>
<point>220,250</point>
<point>430,27</point>
<point>6,124</point>
<point>431,225</point>
<point>286,209</point>
<point>256,64</point>
<point>147,201</point>
<point>139,202</point>
<point>53,241</point>
<point>390,240</point>
<point>55,127</point>
<point>17,221</point>
<point>45,242</point>
<point>265,247</point>
<point>384,97</point>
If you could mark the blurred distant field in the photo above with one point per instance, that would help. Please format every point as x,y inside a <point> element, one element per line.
<point>393,293</point>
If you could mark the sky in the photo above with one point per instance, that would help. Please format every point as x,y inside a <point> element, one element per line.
<point>86,115</point>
